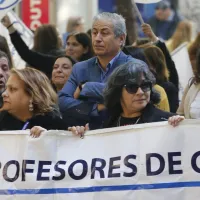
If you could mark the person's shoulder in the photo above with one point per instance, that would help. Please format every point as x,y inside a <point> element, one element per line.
<point>85,63</point>
<point>154,114</point>
<point>163,115</point>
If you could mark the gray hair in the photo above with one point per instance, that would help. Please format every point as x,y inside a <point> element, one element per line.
<point>117,20</point>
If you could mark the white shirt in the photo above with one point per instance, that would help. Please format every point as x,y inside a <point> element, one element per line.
<point>195,107</point>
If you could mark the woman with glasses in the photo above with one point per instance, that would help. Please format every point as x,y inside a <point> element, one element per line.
<point>130,98</point>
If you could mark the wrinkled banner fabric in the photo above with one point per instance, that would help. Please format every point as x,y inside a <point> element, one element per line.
<point>150,161</point>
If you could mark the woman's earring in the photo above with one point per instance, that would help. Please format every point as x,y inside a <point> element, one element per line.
<point>30,106</point>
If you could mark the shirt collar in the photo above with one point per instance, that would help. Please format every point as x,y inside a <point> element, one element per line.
<point>110,64</point>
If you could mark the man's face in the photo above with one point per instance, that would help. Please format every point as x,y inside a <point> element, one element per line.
<point>163,14</point>
<point>104,41</point>
<point>4,73</point>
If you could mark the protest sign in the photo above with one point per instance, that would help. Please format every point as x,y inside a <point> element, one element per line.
<point>183,65</point>
<point>145,161</point>
<point>7,5</point>
<point>24,32</point>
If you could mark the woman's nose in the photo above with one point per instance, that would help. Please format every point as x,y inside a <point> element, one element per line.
<point>139,91</point>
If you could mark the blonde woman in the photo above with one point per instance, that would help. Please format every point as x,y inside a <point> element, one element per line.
<point>29,100</point>
<point>182,34</point>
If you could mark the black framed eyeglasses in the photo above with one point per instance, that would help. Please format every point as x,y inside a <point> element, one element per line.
<point>133,88</point>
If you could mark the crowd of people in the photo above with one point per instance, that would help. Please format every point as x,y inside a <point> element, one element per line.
<point>92,80</point>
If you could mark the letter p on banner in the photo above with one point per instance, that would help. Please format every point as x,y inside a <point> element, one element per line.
<point>146,1</point>
<point>7,5</point>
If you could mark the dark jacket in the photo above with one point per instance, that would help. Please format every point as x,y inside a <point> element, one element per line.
<point>84,110</point>
<point>165,29</point>
<point>48,121</point>
<point>172,95</point>
<point>173,74</point>
<point>150,114</point>
<point>37,60</point>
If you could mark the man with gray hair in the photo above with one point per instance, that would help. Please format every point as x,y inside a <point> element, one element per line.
<point>81,99</point>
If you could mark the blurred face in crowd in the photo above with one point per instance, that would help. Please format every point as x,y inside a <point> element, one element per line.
<point>104,41</point>
<point>4,72</point>
<point>75,49</point>
<point>163,14</point>
<point>135,98</point>
<point>61,72</point>
<point>16,100</point>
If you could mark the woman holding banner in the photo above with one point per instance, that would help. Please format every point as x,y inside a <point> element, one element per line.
<point>129,98</point>
<point>29,100</point>
<point>190,104</point>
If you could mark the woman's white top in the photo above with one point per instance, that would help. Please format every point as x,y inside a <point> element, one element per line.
<point>195,107</point>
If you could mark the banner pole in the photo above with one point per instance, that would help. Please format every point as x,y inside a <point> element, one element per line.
<point>138,12</point>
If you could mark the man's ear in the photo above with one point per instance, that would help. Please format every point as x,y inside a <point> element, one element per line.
<point>122,39</point>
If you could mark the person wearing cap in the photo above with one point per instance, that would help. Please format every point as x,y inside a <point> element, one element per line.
<point>165,20</point>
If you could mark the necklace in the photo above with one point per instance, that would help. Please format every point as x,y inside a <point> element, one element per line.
<point>119,119</point>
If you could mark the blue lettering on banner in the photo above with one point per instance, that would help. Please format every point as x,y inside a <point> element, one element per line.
<point>94,167</point>
<point>60,170</point>
<point>5,170</point>
<point>84,171</point>
<point>4,5</point>
<point>113,166</point>
<point>42,170</point>
<point>172,162</point>
<point>194,162</point>
<point>149,157</point>
<point>26,170</point>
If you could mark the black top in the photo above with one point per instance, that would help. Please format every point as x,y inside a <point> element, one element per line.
<point>49,121</point>
<point>172,95</point>
<point>124,121</point>
<point>150,114</point>
<point>37,60</point>
<point>173,74</point>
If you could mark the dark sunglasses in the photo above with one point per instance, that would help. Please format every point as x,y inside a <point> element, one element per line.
<point>133,88</point>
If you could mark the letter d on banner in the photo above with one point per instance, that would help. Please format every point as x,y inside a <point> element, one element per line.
<point>7,5</point>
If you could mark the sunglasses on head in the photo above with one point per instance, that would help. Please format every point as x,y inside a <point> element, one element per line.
<point>133,88</point>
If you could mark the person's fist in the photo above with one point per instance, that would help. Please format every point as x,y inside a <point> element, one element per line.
<point>6,21</point>
<point>174,120</point>
<point>36,131</point>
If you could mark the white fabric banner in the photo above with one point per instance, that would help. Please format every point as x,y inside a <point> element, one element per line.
<point>183,65</point>
<point>146,1</point>
<point>148,161</point>
<point>25,33</point>
<point>7,5</point>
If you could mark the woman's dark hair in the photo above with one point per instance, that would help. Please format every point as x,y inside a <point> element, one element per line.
<point>46,39</point>
<point>4,55</point>
<point>85,40</point>
<point>4,48</point>
<point>135,52</point>
<point>196,69</point>
<point>157,63</point>
<point>129,73</point>
<point>65,56</point>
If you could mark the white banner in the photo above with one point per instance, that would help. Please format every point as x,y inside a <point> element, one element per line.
<point>148,161</point>
<point>146,1</point>
<point>183,65</point>
<point>7,5</point>
<point>25,33</point>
